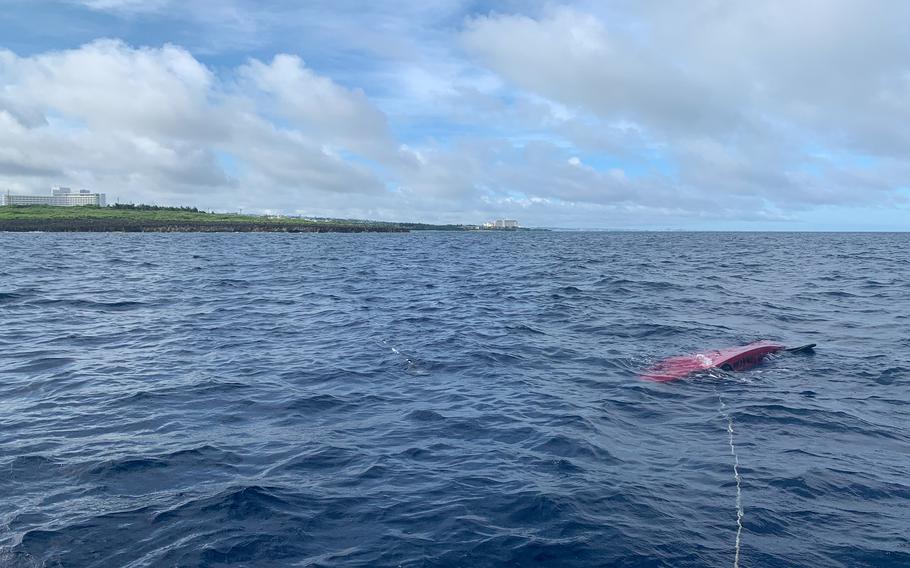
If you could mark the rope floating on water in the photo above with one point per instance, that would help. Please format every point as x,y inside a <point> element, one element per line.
<point>736,476</point>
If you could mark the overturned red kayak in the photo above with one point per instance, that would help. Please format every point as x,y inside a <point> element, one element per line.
<point>731,359</point>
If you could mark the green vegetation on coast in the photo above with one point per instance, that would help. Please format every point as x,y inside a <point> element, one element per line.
<point>149,218</point>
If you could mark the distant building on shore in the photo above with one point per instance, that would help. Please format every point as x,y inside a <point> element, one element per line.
<point>60,196</point>
<point>501,224</point>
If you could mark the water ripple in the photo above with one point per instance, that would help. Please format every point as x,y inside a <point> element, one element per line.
<point>451,399</point>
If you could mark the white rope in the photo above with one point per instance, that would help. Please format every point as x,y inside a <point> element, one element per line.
<point>739,493</point>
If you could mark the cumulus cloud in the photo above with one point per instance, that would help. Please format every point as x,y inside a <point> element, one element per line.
<point>159,92</point>
<point>319,106</point>
<point>138,5</point>
<point>157,122</point>
<point>738,97</point>
<point>585,113</point>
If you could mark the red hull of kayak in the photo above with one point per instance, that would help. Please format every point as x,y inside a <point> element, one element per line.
<point>731,359</point>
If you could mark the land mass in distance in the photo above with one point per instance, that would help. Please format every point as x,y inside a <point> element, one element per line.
<point>155,219</point>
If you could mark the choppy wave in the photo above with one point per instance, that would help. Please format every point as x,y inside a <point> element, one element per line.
<point>451,399</point>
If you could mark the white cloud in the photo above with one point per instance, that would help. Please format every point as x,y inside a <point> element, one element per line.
<point>153,123</point>
<point>125,5</point>
<point>738,96</point>
<point>318,106</point>
<point>627,113</point>
<point>159,92</point>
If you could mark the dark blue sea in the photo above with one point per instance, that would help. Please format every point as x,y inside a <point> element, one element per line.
<point>451,399</point>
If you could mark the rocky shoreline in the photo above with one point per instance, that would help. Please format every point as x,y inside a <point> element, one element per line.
<point>107,225</point>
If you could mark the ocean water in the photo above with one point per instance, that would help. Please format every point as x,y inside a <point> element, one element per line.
<point>451,399</point>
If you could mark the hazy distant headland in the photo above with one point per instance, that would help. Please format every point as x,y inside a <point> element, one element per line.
<point>155,219</point>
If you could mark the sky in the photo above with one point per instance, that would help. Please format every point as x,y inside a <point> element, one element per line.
<point>623,114</point>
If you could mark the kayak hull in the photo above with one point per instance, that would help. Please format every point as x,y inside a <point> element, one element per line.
<point>730,359</point>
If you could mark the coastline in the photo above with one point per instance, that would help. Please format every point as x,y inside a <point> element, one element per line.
<point>148,219</point>
<point>152,226</point>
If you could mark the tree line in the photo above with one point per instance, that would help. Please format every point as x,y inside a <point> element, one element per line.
<point>143,207</point>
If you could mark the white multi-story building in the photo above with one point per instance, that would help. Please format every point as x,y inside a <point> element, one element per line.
<point>501,224</point>
<point>60,196</point>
